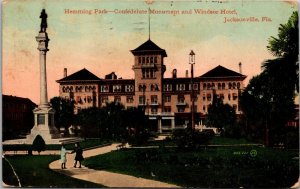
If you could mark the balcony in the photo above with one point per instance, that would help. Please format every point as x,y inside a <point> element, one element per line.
<point>147,65</point>
<point>154,104</point>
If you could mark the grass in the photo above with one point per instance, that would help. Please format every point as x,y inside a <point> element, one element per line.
<point>213,167</point>
<point>33,171</point>
<point>88,143</point>
<point>218,140</point>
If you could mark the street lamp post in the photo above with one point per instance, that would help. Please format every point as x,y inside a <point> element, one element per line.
<point>192,62</point>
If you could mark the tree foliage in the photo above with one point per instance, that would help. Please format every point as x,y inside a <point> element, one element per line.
<point>220,115</point>
<point>64,112</point>
<point>268,100</point>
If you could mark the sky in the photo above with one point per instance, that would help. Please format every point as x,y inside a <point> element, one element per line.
<point>102,42</point>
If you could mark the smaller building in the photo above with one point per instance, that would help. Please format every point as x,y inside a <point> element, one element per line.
<point>18,116</point>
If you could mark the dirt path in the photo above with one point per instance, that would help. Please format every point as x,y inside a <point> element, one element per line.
<point>105,178</point>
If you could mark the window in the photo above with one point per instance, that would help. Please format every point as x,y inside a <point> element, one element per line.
<point>142,87</point>
<point>204,86</point>
<point>167,98</point>
<point>234,96</point>
<point>143,74</point>
<point>208,97</point>
<point>78,99</point>
<point>103,88</point>
<point>238,85</point>
<point>128,88</point>
<point>212,86</point>
<point>208,86</point>
<point>167,109</point>
<point>89,99</point>
<point>151,60</point>
<point>204,108</point>
<point>117,99</point>
<point>180,87</point>
<point>129,99</point>
<point>104,99</point>
<point>219,86</point>
<point>223,86</point>
<point>195,86</point>
<point>181,99</point>
<point>180,109</point>
<point>155,59</point>
<point>204,98</point>
<point>154,87</point>
<point>154,110</point>
<point>143,60</point>
<point>234,85</point>
<point>142,100</point>
<point>116,88</point>
<point>229,85</point>
<point>140,60</point>
<point>154,99</point>
<point>229,97</point>
<point>167,87</point>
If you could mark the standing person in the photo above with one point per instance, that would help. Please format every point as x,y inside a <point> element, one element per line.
<point>63,157</point>
<point>78,154</point>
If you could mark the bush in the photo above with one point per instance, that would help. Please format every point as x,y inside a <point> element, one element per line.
<point>39,144</point>
<point>191,138</point>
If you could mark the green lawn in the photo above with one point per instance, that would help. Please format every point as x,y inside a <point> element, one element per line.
<point>213,167</point>
<point>218,140</point>
<point>33,171</point>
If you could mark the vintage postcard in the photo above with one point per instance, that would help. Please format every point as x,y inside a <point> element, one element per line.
<point>150,93</point>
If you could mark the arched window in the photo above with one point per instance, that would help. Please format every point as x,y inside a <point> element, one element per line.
<point>213,86</point>
<point>219,85</point>
<point>147,60</point>
<point>234,85</point>
<point>238,85</point>
<point>223,85</point>
<point>140,60</point>
<point>151,60</point>
<point>155,59</point>
<point>208,86</point>
<point>229,85</point>
<point>204,86</point>
<point>143,60</point>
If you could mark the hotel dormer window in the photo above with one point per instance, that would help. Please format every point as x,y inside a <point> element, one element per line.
<point>229,85</point>
<point>116,88</point>
<point>208,86</point>
<point>213,86</point>
<point>128,88</point>
<point>180,87</point>
<point>223,86</point>
<point>104,88</point>
<point>238,85</point>
<point>204,86</point>
<point>234,85</point>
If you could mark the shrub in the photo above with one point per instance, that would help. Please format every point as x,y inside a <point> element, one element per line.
<point>39,144</point>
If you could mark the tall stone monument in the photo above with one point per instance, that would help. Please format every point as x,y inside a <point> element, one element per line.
<point>44,113</point>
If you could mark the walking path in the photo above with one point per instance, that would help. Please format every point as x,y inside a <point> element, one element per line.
<point>105,178</point>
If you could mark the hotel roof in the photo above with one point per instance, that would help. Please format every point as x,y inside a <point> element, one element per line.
<point>82,75</point>
<point>149,46</point>
<point>221,71</point>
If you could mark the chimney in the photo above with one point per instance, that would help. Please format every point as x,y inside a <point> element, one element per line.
<point>240,67</point>
<point>186,73</point>
<point>65,72</point>
<point>174,73</point>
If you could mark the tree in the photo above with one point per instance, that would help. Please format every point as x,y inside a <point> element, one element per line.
<point>268,100</point>
<point>39,144</point>
<point>220,115</point>
<point>64,112</point>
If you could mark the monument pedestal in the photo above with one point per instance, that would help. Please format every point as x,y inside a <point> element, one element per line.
<point>43,125</point>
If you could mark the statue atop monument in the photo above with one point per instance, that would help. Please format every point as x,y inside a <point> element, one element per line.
<point>43,21</point>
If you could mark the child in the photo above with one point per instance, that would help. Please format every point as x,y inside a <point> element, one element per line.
<point>78,155</point>
<point>63,157</point>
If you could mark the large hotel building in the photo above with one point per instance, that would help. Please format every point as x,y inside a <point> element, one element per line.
<point>167,101</point>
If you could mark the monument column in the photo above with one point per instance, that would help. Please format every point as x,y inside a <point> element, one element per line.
<point>44,113</point>
<point>43,40</point>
